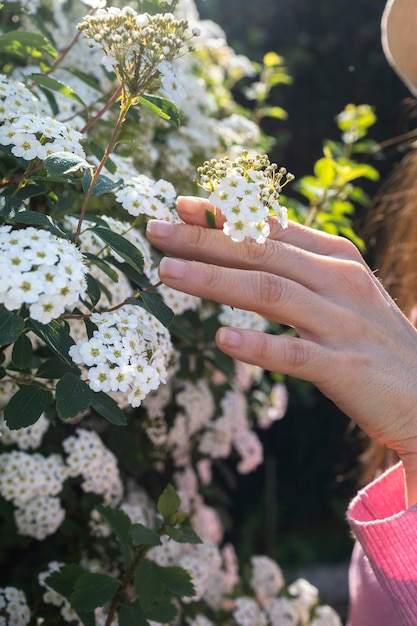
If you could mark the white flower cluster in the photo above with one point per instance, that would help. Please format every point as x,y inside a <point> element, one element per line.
<point>246,190</point>
<point>90,459</point>
<point>140,195</point>
<point>248,612</point>
<point>31,483</point>
<point>27,127</point>
<point>239,318</point>
<point>136,43</point>
<point>14,610</point>
<point>128,353</point>
<point>41,271</point>
<point>26,438</point>
<point>267,578</point>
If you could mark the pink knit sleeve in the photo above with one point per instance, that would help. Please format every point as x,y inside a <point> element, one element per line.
<point>387,532</point>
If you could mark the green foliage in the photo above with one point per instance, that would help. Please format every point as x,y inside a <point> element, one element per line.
<point>331,192</point>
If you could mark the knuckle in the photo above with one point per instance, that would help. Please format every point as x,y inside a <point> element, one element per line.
<point>346,249</point>
<point>256,254</point>
<point>212,278</point>
<point>296,355</point>
<point>358,278</point>
<point>269,290</point>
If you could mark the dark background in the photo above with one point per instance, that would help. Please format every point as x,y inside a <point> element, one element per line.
<point>293,508</point>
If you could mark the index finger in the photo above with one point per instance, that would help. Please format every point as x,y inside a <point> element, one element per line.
<point>193,211</point>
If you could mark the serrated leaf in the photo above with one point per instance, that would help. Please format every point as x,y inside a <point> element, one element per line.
<point>55,336</point>
<point>157,307</point>
<point>108,408</point>
<point>177,581</point>
<point>92,591</point>
<point>63,580</point>
<point>184,534</point>
<point>163,108</point>
<point>26,406</point>
<point>64,163</point>
<point>26,44</point>
<point>22,352</point>
<point>122,246</point>
<point>163,613</point>
<point>55,85</point>
<point>120,525</point>
<point>73,396</point>
<point>148,585</point>
<point>168,503</point>
<point>11,326</point>
<point>103,184</point>
<point>141,535</point>
<point>131,616</point>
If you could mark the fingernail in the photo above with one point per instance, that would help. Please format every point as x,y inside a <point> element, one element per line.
<point>172,268</point>
<point>158,228</point>
<point>229,337</point>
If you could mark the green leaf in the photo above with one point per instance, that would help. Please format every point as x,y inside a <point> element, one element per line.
<point>92,591</point>
<point>275,112</point>
<point>64,163</point>
<point>211,218</point>
<point>120,524</point>
<point>163,613</point>
<point>108,408</point>
<point>105,267</point>
<point>73,396</point>
<point>26,406</point>
<point>56,85</point>
<point>168,503</point>
<point>184,534</point>
<point>177,581</point>
<point>93,289</point>
<point>55,368</point>
<point>162,107</point>
<point>103,184</point>
<point>38,219</point>
<point>24,44</point>
<point>122,246</point>
<point>89,79</point>
<point>141,535</point>
<point>131,615</point>
<point>11,326</point>
<point>55,336</point>
<point>157,307</point>
<point>63,580</point>
<point>149,587</point>
<point>22,352</point>
<point>325,170</point>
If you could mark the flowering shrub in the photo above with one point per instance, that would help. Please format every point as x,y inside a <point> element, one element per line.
<point>115,403</point>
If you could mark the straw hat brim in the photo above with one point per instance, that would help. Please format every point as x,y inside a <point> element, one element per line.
<point>399,39</point>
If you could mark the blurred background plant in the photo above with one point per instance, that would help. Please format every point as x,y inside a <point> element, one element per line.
<point>111,385</point>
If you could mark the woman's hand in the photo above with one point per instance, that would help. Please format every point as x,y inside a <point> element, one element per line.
<point>353,342</point>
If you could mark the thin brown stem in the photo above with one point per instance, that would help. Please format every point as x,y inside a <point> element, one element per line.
<point>122,116</point>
